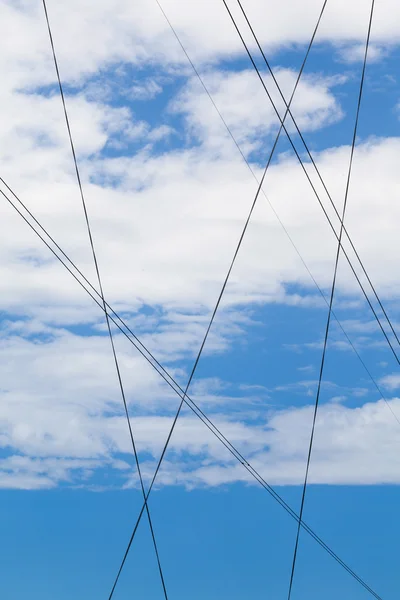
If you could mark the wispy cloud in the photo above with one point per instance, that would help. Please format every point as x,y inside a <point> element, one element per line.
<point>167,195</point>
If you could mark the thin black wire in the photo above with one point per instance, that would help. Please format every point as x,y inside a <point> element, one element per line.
<point>201,415</point>
<point>90,284</point>
<point>228,129</point>
<point>262,190</point>
<point>255,177</point>
<point>118,316</point>
<point>266,197</point>
<point>216,305</point>
<point>328,321</point>
<point>102,297</point>
<point>134,340</point>
<point>208,328</point>
<point>241,460</point>
<point>317,195</point>
<point>108,305</point>
<point>315,166</point>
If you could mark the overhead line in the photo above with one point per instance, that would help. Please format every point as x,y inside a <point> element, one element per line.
<point>315,167</point>
<point>206,335</point>
<point>315,191</point>
<point>262,190</point>
<point>214,311</point>
<point>66,266</point>
<point>96,290</point>
<point>328,321</point>
<point>97,269</point>
<point>197,73</point>
<point>135,341</point>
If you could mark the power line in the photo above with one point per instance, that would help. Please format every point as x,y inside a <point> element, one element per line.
<point>269,202</point>
<point>315,166</point>
<point>288,509</point>
<point>204,341</point>
<point>316,193</point>
<point>117,368</point>
<point>262,190</point>
<point>208,329</point>
<point>120,323</point>
<point>118,316</point>
<point>353,144</point>
<point>216,305</point>
<point>193,406</point>
<point>135,340</point>
<point>96,291</point>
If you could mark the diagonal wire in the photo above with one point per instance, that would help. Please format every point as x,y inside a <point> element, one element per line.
<point>230,133</point>
<point>117,316</point>
<point>262,190</point>
<point>315,167</point>
<point>328,321</point>
<point>121,321</point>
<point>129,333</point>
<point>216,305</point>
<point>279,133</point>
<point>206,334</point>
<point>200,414</point>
<point>317,195</point>
<point>116,362</point>
<point>242,460</point>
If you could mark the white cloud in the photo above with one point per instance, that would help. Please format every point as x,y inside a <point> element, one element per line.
<point>138,33</point>
<point>146,90</point>
<point>165,224</point>
<point>354,53</point>
<point>246,108</point>
<point>390,382</point>
<point>22,472</point>
<point>164,209</point>
<point>62,421</point>
<point>352,446</point>
<point>161,207</point>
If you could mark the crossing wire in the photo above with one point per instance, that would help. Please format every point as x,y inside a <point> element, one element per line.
<point>328,320</point>
<point>315,166</point>
<point>196,72</point>
<point>117,320</point>
<point>199,353</point>
<point>316,193</point>
<point>116,362</point>
<point>192,373</point>
<point>108,305</point>
<point>134,340</point>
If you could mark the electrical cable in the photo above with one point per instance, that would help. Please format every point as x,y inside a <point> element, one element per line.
<point>118,317</point>
<point>116,362</point>
<point>315,167</point>
<point>353,144</point>
<point>255,177</point>
<point>196,361</point>
<point>201,415</point>
<point>238,246</point>
<point>316,193</point>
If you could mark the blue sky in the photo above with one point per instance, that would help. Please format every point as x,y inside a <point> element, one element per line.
<point>167,194</point>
